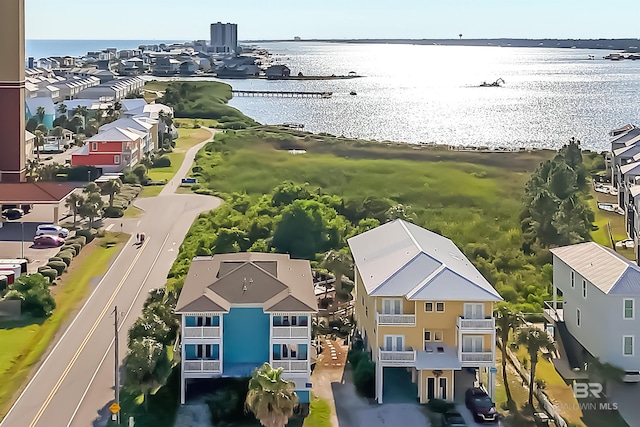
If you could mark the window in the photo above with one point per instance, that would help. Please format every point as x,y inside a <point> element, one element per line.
<point>573,279</point>
<point>290,351</point>
<point>303,320</point>
<point>391,306</point>
<point>584,288</point>
<point>472,343</point>
<point>629,312</point>
<point>440,307</point>
<point>94,146</point>
<point>191,321</point>
<point>428,306</point>
<point>427,336</point>
<point>116,160</point>
<point>394,342</point>
<point>627,345</point>
<point>437,336</point>
<point>202,351</point>
<point>578,319</point>
<point>474,311</point>
<point>366,311</point>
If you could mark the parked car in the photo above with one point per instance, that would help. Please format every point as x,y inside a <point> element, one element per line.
<point>47,240</point>
<point>52,229</point>
<point>452,419</point>
<point>481,405</point>
<point>12,214</point>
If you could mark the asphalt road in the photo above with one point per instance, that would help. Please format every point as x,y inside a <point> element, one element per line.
<point>74,384</point>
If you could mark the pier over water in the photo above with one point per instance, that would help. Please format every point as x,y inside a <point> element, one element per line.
<point>282,94</point>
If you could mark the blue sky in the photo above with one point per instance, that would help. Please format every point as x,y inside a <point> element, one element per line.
<point>270,19</point>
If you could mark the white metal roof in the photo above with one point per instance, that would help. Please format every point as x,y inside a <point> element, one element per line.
<point>605,269</point>
<point>114,135</point>
<point>402,259</point>
<point>630,168</point>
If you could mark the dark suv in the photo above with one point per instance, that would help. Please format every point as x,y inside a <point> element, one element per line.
<point>480,405</point>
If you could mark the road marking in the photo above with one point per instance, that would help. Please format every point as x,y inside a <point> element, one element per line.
<point>86,304</point>
<point>106,353</point>
<point>86,339</point>
<point>109,227</point>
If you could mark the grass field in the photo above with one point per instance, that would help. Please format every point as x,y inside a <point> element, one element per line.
<point>187,139</point>
<point>24,341</point>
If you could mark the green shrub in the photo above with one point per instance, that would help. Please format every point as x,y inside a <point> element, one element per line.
<point>440,406</point>
<point>161,162</point>
<point>113,212</point>
<point>49,273</point>
<point>355,356</point>
<point>204,191</point>
<point>59,266</point>
<point>53,258</point>
<point>69,248</point>
<point>78,239</point>
<point>89,235</point>
<point>66,257</point>
<point>364,377</point>
<point>76,246</point>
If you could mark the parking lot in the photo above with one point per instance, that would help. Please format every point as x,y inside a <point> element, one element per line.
<point>16,237</point>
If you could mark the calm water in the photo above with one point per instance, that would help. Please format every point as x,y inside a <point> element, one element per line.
<point>418,93</point>
<point>43,48</point>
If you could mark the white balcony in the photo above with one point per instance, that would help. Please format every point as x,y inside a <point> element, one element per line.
<point>474,358</point>
<point>406,357</point>
<point>204,366</point>
<point>476,324</point>
<point>202,332</point>
<point>291,366</point>
<point>396,319</point>
<point>290,332</point>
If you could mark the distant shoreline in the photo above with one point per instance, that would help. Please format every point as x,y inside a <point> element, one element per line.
<point>628,45</point>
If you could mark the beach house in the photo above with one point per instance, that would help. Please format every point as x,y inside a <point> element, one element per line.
<point>243,309</point>
<point>423,311</point>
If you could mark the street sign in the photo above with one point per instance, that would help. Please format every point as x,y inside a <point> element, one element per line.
<point>493,370</point>
<point>114,408</point>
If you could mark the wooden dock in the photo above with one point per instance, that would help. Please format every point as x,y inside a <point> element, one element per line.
<point>281,94</point>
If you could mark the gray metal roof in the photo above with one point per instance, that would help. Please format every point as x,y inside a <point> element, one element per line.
<point>630,168</point>
<point>222,281</point>
<point>402,259</point>
<point>604,268</point>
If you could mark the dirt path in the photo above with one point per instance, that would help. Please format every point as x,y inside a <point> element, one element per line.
<point>329,370</point>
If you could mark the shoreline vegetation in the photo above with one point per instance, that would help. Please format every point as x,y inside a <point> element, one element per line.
<point>305,194</point>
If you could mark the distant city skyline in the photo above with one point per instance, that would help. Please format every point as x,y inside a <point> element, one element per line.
<point>332,19</point>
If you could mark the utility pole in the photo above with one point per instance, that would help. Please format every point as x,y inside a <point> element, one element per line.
<point>117,365</point>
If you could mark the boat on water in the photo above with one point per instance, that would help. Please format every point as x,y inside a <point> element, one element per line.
<point>353,92</point>
<point>497,83</point>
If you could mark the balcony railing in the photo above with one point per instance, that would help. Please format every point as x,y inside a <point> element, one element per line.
<point>476,324</point>
<point>202,332</point>
<point>212,366</point>
<point>396,319</point>
<point>291,365</point>
<point>290,332</point>
<point>554,310</point>
<point>406,357</point>
<point>484,356</point>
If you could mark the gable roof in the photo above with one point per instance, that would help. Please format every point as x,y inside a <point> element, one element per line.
<point>45,102</point>
<point>630,168</point>
<point>627,150</point>
<point>35,192</point>
<point>605,269</point>
<point>402,259</point>
<point>114,135</point>
<point>127,123</point>
<point>273,281</point>
<point>627,138</point>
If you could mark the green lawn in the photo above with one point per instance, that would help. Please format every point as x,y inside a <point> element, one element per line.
<point>151,191</point>
<point>319,414</point>
<point>603,219</point>
<point>132,211</point>
<point>24,341</point>
<point>187,139</point>
<point>190,123</point>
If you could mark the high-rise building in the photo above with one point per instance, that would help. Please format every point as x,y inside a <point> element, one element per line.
<point>224,38</point>
<point>12,89</point>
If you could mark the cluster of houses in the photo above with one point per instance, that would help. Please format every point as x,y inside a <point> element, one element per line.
<point>124,142</point>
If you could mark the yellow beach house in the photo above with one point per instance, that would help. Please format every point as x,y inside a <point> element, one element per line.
<point>424,312</point>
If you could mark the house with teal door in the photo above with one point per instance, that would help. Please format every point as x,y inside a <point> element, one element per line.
<point>243,309</point>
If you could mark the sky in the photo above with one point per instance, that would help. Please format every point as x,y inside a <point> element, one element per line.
<point>332,19</point>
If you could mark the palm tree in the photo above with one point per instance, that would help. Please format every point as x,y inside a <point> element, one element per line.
<point>271,398</point>
<point>32,168</point>
<point>58,132</point>
<point>112,187</point>
<point>40,113</point>
<point>91,187</point>
<point>507,320</point>
<point>62,109</point>
<point>535,340</point>
<point>339,263</point>
<point>39,142</point>
<point>74,202</point>
<point>91,207</point>
<point>83,112</point>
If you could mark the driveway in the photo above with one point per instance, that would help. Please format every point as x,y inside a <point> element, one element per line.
<point>626,396</point>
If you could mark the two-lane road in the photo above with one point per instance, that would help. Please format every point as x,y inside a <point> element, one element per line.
<point>75,381</point>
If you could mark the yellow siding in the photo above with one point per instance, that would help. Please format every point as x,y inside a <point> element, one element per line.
<point>365,318</point>
<point>422,385</point>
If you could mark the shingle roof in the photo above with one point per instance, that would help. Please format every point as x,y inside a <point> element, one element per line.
<point>402,259</point>
<point>605,269</point>
<point>222,281</point>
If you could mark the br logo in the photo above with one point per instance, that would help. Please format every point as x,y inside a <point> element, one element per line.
<point>586,390</point>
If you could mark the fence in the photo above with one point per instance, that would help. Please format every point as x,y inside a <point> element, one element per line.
<point>537,392</point>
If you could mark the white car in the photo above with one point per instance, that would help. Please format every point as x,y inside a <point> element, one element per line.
<point>52,230</point>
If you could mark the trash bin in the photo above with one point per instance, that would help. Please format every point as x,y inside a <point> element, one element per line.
<point>541,419</point>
